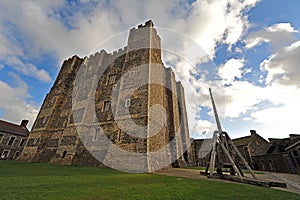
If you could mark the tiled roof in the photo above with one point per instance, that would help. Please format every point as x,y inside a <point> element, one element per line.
<point>13,128</point>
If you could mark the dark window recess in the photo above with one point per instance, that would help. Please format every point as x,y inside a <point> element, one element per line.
<point>17,154</point>
<point>96,135</point>
<point>106,106</point>
<point>5,154</point>
<point>64,154</point>
<point>119,135</point>
<point>22,142</point>
<point>11,141</point>
<point>111,79</point>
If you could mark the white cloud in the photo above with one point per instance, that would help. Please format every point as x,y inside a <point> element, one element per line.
<point>14,103</point>
<point>292,47</point>
<point>203,127</point>
<point>282,27</point>
<point>283,67</point>
<point>278,35</point>
<point>218,21</point>
<point>241,96</point>
<point>252,42</point>
<point>28,69</point>
<point>231,69</point>
<point>279,121</point>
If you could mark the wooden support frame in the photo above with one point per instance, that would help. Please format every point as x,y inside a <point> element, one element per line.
<point>222,139</point>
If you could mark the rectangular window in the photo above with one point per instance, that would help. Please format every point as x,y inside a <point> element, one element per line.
<point>11,141</point>
<point>1,136</point>
<point>127,103</point>
<point>45,119</point>
<point>96,134</point>
<point>17,154</point>
<point>111,79</point>
<point>22,142</point>
<point>106,106</point>
<point>119,135</point>
<point>53,100</point>
<point>5,154</point>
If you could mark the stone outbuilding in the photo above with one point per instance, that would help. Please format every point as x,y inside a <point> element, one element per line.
<point>202,149</point>
<point>249,146</point>
<point>252,145</point>
<point>283,155</point>
<point>12,139</point>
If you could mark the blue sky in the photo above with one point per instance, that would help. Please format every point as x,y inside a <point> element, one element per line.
<point>254,47</point>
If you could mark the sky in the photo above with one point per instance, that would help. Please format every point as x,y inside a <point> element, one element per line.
<point>252,55</point>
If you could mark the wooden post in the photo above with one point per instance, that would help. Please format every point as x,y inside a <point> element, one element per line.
<point>231,160</point>
<point>213,154</point>
<point>241,157</point>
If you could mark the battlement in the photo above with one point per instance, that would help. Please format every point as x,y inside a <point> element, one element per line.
<point>119,51</point>
<point>98,53</point>
<point>72,58</point>
<point>148,23</point>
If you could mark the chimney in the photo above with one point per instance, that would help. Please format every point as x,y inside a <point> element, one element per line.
<point>253,132</point>
<point>24,123</point>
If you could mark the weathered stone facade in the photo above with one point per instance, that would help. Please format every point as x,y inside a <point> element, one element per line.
<point>253,145</point>
<point>202,149</point>
<point>119,95</point>
<point>283,155</point>
<point>249,146</point>
<point>12,139</point>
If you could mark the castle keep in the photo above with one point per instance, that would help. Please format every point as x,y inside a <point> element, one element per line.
<point>123,110</point>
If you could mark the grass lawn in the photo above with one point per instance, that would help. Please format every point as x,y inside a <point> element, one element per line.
<point>43,181</point>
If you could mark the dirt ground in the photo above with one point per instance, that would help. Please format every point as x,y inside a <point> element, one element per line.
<point>292,180</point>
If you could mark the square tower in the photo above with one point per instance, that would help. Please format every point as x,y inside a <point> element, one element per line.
<point>122,110</point>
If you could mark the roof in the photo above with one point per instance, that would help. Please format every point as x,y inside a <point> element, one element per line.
<point>293,145</point>
<point>283,145</point>
<point>13,128</point>
<point>242,141</point>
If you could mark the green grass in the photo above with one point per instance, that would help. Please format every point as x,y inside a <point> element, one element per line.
<point>43,181</point>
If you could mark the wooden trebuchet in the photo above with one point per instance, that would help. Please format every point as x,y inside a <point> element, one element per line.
<point>224,153</point>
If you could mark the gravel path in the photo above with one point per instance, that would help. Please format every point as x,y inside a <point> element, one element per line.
<point>292,180</point>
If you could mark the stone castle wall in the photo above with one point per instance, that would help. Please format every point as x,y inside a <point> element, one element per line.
<point>117,95</point>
